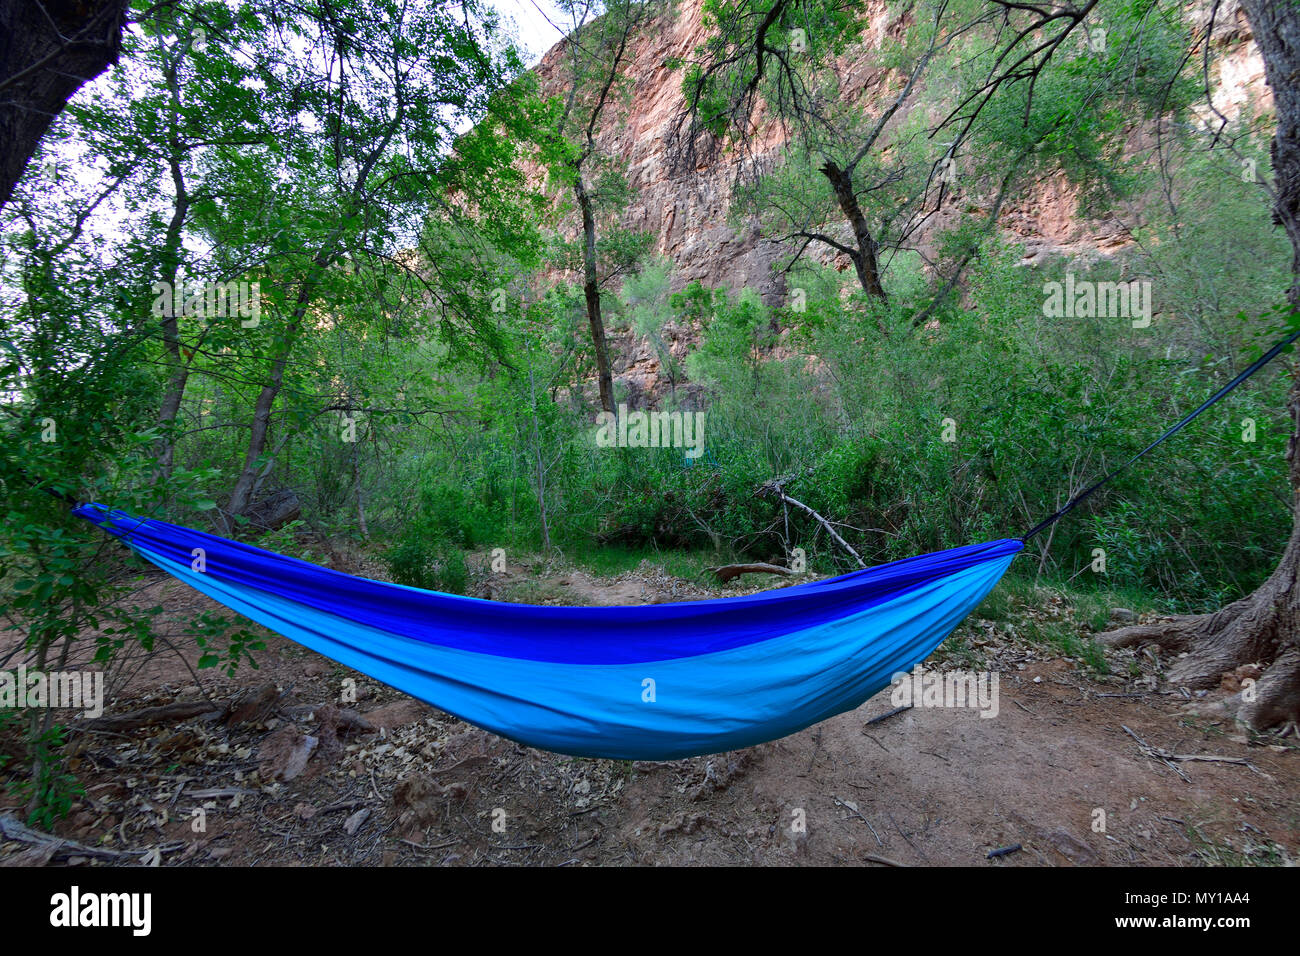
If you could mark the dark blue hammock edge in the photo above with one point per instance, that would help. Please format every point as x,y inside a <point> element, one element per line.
<point>563,634</point>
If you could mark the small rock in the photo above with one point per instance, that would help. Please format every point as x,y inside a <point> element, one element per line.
<point>397,714</point>
<point>1071,847</point>
<point>285,754</point>
<point>353,823</point>
<point>683,822</point>
<point>1122,615</point>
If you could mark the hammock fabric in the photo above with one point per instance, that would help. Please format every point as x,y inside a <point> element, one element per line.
<point>654,682</point>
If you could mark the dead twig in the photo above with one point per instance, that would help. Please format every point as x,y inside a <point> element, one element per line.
<point>1159,753</point>
<point>885,716</point>
<point>423,846</point>
<point>853,809</point>
<point>344,805</point>
<point>919,851</point>
<point>1156,754</point>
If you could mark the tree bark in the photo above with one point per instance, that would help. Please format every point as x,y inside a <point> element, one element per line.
<point>47,51</point>
<point>865,262</point>
<point>591,292</point>
<point>178,366</point>
<point>242,493</point>
<point>1263,627</point>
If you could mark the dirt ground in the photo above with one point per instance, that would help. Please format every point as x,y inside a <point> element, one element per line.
<point>388,780</point>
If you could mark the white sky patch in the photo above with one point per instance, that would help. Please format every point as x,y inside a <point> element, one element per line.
<point>534,25</point>
<point>535,33</point>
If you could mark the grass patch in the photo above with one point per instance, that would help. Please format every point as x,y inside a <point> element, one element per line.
<point>1223,853</point>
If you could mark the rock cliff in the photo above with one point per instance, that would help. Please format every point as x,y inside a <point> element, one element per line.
<point>688,214</point>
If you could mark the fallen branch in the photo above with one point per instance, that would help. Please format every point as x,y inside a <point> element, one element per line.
<point>167,713</point>
<point>57,848</point>
<point>1159,753</point>
<point>216,793</point>
<point>777,487</point>
<point>1155,753</point>
<point>729,571</point>
<point>247,707</point>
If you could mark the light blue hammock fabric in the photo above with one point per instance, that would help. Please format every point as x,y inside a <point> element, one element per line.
<point>653,682</point>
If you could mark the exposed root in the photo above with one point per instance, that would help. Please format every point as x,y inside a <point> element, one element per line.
<point>1277,694</point>
<point>1257,628</point>
<point>1170,633</point>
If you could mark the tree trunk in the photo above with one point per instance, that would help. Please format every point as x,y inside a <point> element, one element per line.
<point>178,366</point>
<point>47,51</point>
<point>864,261</point>
<point>357,497</point>
<point>241,495</point>
<point>1263,627</point>
<point>247,483</point>
<point>540,465</point>
<point>591,291</point>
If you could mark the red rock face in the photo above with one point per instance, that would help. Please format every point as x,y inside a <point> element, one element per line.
<point>688,211</point>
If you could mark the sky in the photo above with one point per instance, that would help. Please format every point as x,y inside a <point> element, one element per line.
<point>528,25</point>
<point>536,35</point>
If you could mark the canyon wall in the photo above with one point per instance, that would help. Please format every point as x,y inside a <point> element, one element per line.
<point>688,214</point>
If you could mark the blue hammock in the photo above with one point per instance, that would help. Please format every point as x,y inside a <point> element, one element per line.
<point>654,682</point>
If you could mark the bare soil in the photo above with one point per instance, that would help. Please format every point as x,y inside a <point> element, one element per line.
<point>1055,772</point>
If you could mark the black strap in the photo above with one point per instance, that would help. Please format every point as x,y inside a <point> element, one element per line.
<point>1169,433</point>
<point>37,486</point>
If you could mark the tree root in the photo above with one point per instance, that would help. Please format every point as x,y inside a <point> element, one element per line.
<point>1211,646</point>
<point>1276,694</point>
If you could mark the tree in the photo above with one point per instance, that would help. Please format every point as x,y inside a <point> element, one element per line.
<point>861,175</point>
<point>1264,626</point>
<point>47,52</point>
<point>387,85</point>
<point>598,50</point>
<point>645,298</point>
<point>783,52</point>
